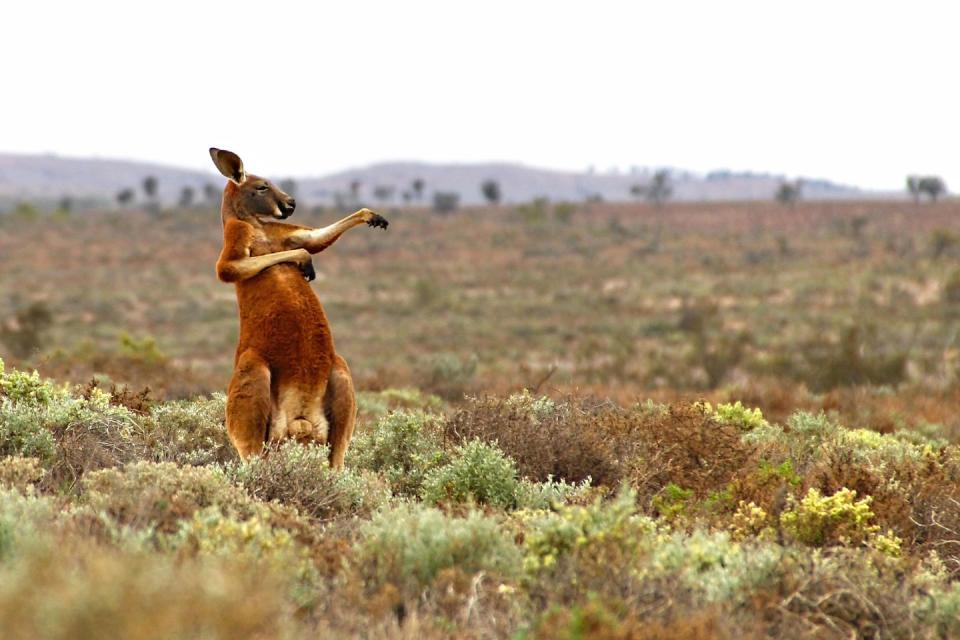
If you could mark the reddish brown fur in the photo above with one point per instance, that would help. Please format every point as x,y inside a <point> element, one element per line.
<point>288,380</point>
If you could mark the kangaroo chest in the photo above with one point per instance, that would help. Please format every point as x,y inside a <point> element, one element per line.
<point>261,244</point>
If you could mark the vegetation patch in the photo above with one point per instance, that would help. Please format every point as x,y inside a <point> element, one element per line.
<point>520,516</point>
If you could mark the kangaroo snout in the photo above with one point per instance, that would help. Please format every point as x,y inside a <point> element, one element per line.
<point>287,207</point>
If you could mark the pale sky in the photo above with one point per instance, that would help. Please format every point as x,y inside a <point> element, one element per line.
<point>857,92</point>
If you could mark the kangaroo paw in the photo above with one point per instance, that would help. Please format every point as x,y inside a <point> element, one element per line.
<point>308,271</point>
<point>378,221</point>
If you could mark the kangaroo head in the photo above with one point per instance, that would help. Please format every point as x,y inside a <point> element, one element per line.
<point>248,197</point>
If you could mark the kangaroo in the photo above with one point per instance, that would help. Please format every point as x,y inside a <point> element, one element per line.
<point>288,381</point>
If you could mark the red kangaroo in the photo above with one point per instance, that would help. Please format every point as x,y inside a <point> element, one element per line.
<point>288,381</point>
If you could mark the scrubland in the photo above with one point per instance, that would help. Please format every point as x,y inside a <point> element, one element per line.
<point>614,421</point>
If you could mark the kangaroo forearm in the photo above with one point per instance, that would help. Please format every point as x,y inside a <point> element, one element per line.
<point>245,268</point>
<point>316,240</point>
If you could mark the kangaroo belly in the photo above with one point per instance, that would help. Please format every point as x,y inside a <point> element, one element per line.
<point>282,320</point>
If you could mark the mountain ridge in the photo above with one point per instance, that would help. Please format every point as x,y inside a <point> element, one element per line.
<point>50,177</point>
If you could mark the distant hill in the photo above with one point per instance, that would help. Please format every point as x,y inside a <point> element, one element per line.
<point>44,179</point>
<point>520,183</point>
<point>47,178</point>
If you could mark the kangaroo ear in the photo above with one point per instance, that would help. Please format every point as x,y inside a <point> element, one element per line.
<point>229,164</point>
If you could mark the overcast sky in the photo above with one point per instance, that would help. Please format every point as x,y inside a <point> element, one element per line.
<point>858,92</point>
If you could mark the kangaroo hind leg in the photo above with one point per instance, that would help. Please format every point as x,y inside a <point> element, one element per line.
<point>248,404</point>
<point>340,408</point>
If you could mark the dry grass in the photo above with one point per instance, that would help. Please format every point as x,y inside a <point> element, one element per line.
<point>481,301</point>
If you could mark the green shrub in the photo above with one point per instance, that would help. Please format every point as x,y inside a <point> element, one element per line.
<point>598,442</point>
<point>28,388</point>
<point>91,433</point>
<point>410,398</point>
<point>737,414</point>
<point>370,403</point>
<point>448,375</point>
<point>477,472</point>
<point>923,435</point>
<point>849,593</point>
<point>939,607</point>
<point>752,521</point>
<point>819,520</point>
<point>410,545</point>
<point>22,519</point>
<point>614,619</point>
<point>87,593</point>
<point>550,493</point>
<point>300,476</point>
<point>877,449</point>
<point>783,471</point>
<point>716,568</point>
<point>23,432</point>
<point>808,438</point>
<point>209,531</point>
<point>20,473</point>
<point>404,446</point>
<point>600,535</point>
<point>537,408</point>
<point>157,496</point>
<point>143,350</point>
<point>189,432</point>
<point>802,438</point>
<point>254,540</point>
<point>379,403</point>
<point>672,501</point>
<point>69,434</point>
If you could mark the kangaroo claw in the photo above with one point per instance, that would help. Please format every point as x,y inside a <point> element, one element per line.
<point>308,271</point>
<point>378,221</point>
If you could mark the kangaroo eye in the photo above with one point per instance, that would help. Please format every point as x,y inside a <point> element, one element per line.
<point>262,187</point>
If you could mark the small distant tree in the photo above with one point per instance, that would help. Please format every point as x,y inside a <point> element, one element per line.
<point>417,186</point>
<point>445,201</point>
<point>913,187</point>
<point>150,187</point>
<point>355,190</point>
<point>657,191</point>
<point>341,202</point>
<point>660,188</point>
<point>383,193</point>
<point>932,186</point>
<point>491,192</point>
<point>406,195</point>
<point>65,205</point>
<point>210,192</point>
<point>186,197</point>
<point>125,197</point>
<point>289,187</point>
<point>788,192</point>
